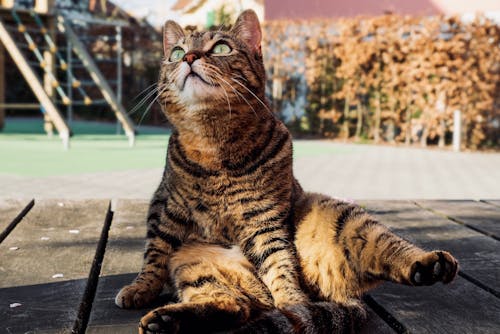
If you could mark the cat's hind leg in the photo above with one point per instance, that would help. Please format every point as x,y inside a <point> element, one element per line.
<point>344,251</point>
<point>217,288</point>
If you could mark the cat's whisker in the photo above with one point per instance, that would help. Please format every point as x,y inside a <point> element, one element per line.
<point>146,98</point>
<point>216,72</point>
<point>143,101</point>
<point>144,91</point>
<point>175,72</point>
<point>241,77</point>
<point>228,102</point>
<point>150,104</point>
<point>228,123</point>
<point>212,68</point>
<point>240,95</point>
<point>212,76</point>
<point>253,94</point>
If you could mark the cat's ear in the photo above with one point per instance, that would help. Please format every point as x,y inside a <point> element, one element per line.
<point>247,28</point>
<point>172,33</point>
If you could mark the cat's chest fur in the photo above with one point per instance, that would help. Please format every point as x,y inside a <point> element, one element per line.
<point>222,187</point>
<point>218,205</point>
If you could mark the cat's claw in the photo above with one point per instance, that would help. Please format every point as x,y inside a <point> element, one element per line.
<point>436,266</point>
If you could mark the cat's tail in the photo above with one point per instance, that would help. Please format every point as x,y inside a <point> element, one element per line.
<point>312,318</point>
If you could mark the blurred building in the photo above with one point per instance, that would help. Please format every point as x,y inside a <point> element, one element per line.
<point>299,9</point>
<point>208,13</point>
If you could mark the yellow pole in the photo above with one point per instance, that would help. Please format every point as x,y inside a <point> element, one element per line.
<point>2,86</point>
<point>49,74</point>
<point>7,3</point>
<point>44,6</point>
<point>47,86</point>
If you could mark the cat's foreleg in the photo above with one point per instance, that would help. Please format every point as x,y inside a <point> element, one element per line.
<point>265,242</point>
<point>165,231</point>
<point>217,290</point>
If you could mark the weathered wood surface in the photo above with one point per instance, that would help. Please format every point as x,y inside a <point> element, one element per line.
<point>478,254</point>
<point>9,209</point>
<point>44,264</point>
<point>446,309</point>
<point>459,308</point>
<point>481,216</point>
<point>44,308</point>
<point>11,213</point>
<point>493,202</point>
<point>41,245</point>
<point>122,261</point>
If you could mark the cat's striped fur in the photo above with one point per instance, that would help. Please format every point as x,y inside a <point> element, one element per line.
<point>245,248</point>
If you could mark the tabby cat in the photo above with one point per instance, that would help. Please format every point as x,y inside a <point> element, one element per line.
<point>245,248</point>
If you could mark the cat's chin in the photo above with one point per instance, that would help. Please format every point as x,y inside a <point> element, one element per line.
<point>197,90</point>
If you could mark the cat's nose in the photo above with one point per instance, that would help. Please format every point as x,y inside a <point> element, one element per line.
<point>191,56</point>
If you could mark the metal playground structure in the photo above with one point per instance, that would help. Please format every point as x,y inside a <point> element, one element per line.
<point>47,42</point>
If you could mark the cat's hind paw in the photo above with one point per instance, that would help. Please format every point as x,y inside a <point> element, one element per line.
<point>436,266</point>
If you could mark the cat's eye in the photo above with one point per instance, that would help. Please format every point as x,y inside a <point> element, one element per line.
<point>221,48</point>
<point>177,54</point>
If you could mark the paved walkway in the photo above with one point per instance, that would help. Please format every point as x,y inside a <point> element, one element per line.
<point>345,170</point>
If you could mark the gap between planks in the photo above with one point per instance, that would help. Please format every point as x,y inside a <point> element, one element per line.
<point>479,284</point>
<point>490,202</point>
<point>385,315</point>
<point>469,278</point>
<point>16,220</point>
<point>458,221</point>
<point>85,307</point>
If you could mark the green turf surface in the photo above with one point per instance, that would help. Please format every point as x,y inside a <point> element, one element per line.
<point>16,125</point>
<point>25,153</point>
<point>37,155</point>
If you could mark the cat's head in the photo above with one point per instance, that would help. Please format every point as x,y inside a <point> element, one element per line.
<point>211,71</point>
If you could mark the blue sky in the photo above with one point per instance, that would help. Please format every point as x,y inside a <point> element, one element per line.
<point>156,11</point>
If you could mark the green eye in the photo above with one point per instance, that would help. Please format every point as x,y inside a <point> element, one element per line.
<point>221,48</point>
<point>177,54</point>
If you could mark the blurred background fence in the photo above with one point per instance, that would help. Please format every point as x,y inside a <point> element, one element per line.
<point>388,78</point>
<point>379,78</point>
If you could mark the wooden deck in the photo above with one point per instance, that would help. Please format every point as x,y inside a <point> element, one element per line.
<point>62,262</point>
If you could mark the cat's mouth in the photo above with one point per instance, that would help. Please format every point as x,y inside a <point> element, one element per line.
<point>194,76</point>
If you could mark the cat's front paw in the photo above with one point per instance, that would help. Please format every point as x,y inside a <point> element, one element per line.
<point>134,295</point>
<point>436,266</point>
<point>158,322</point>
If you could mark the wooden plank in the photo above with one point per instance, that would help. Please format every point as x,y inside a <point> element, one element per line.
<point>461,307</point>
<point>9,209</point>
<point>122,262</point>
<point>477,215</point>
<point>47,308</point>
<point>495,202</point>
<point>11,106</point>
<point>375,325</point>
<point>11,213</point>
<point>55,243</point>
